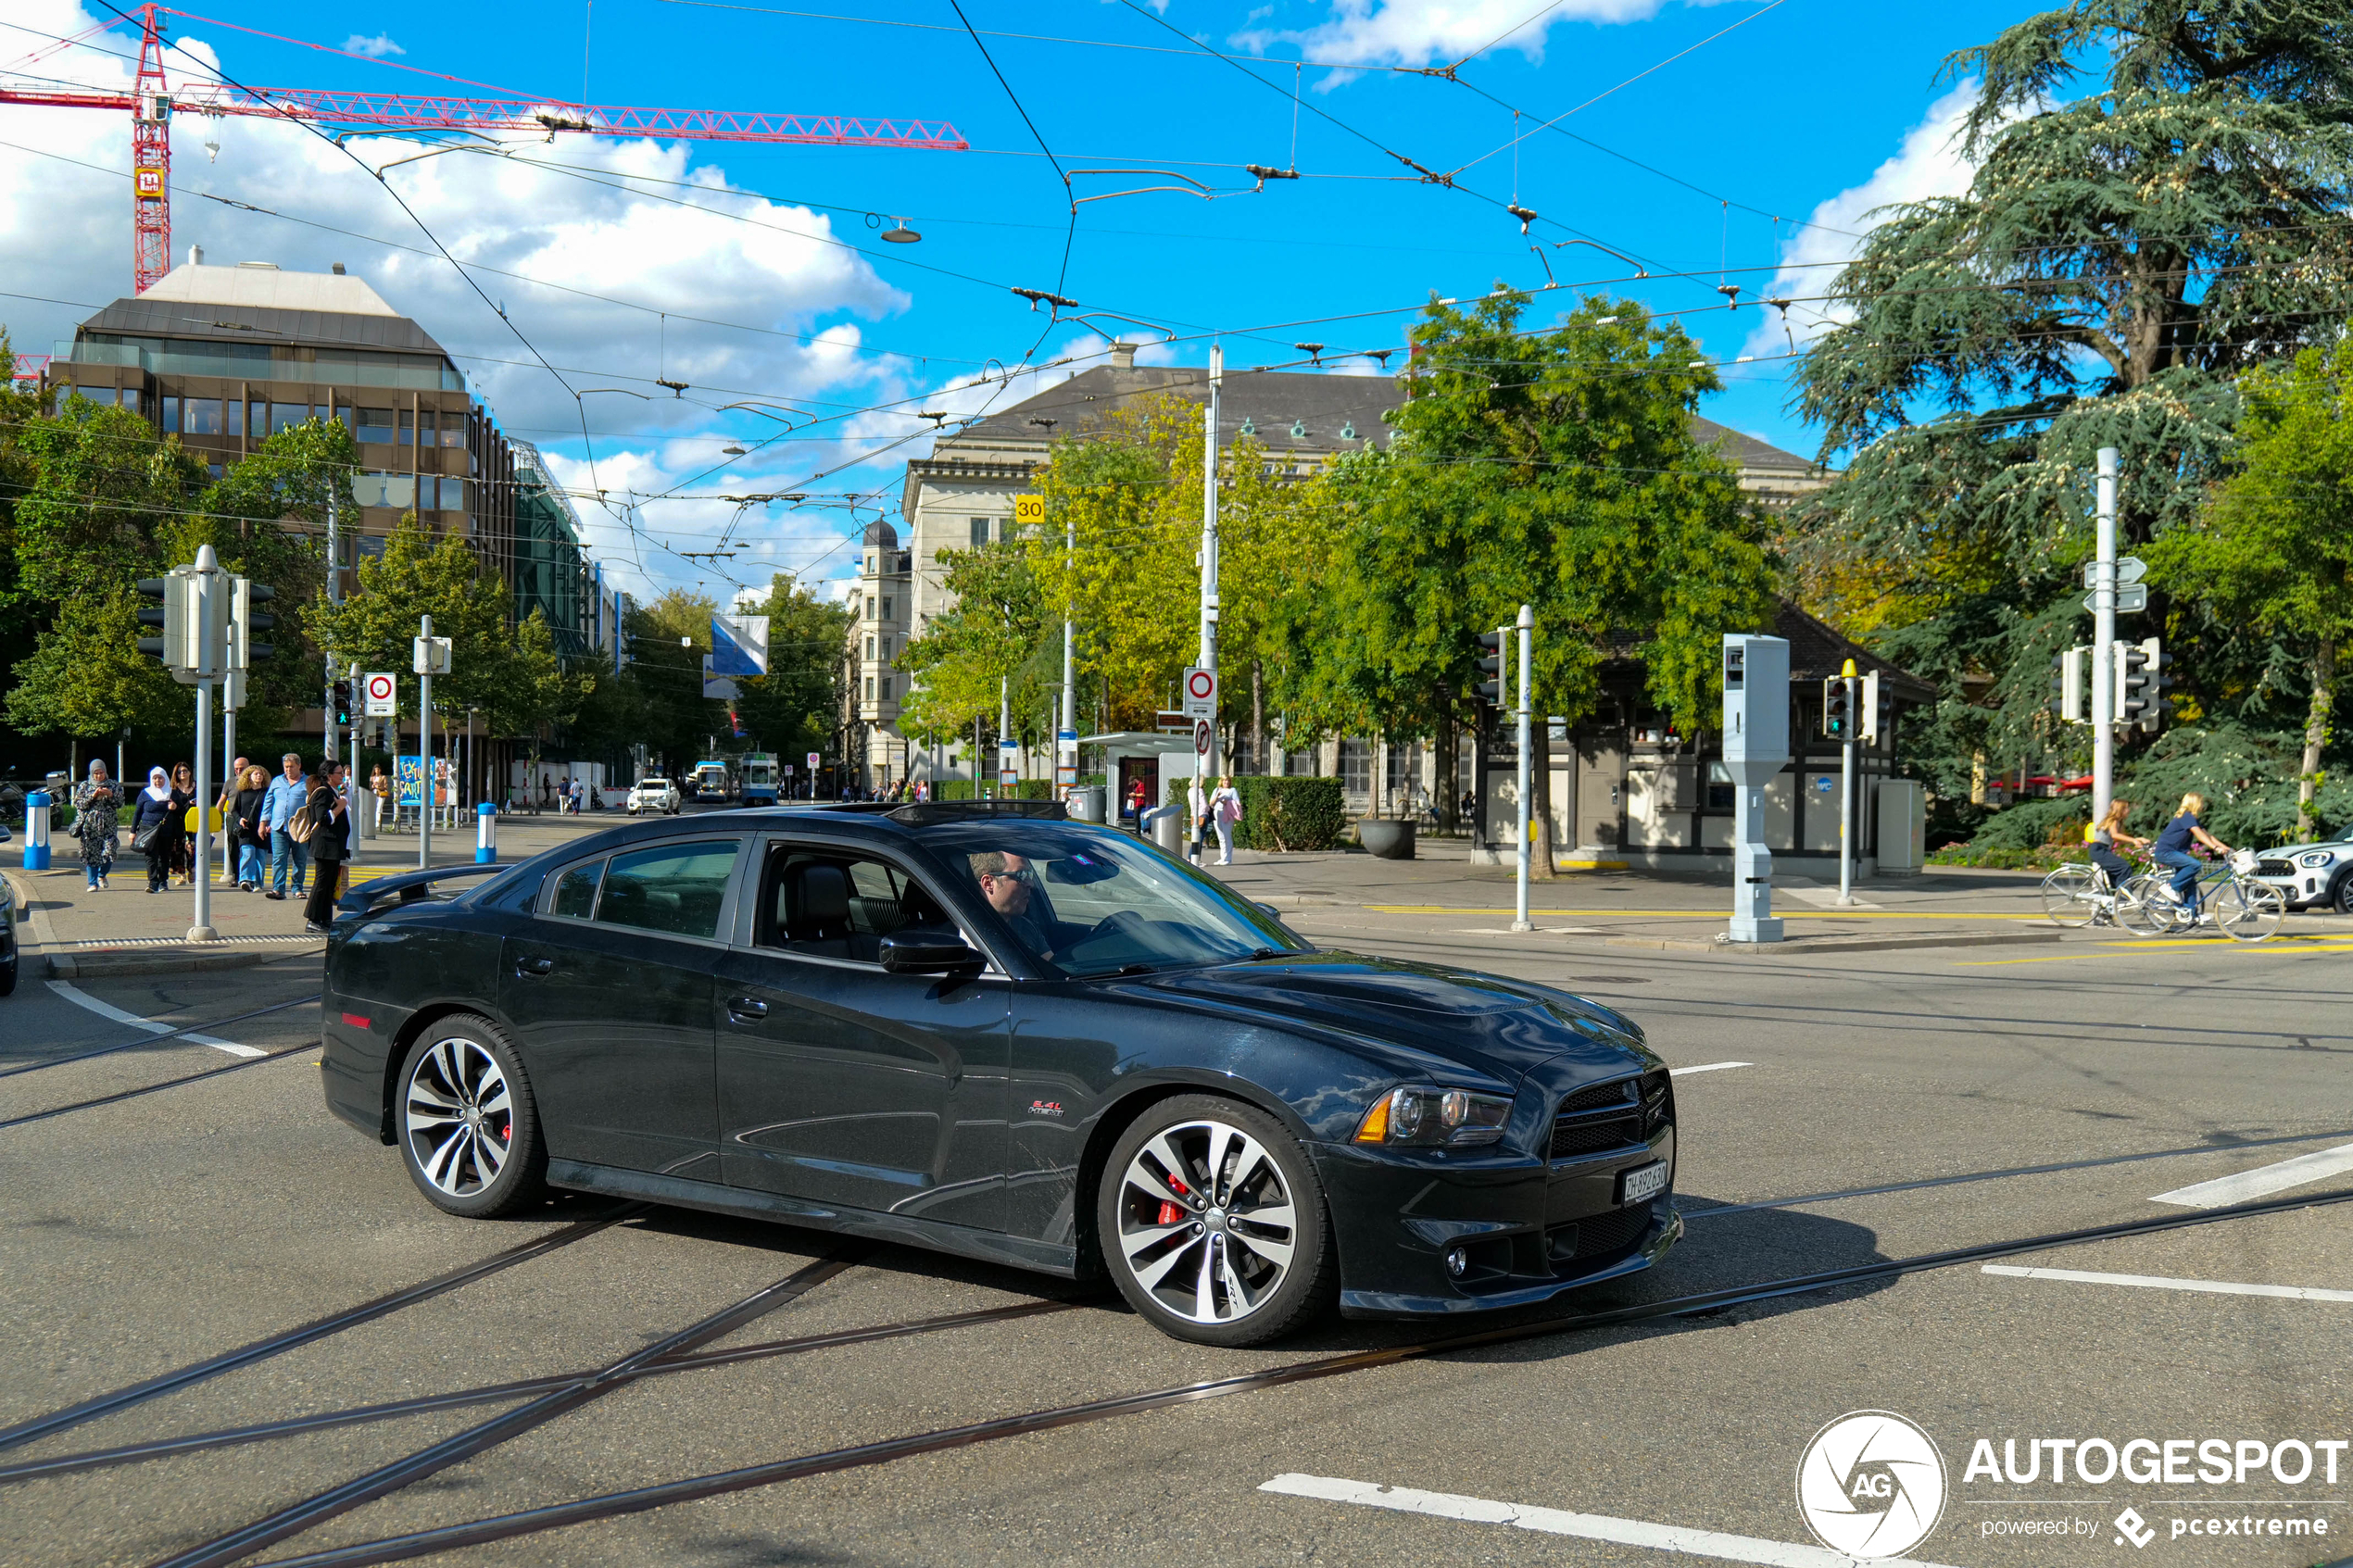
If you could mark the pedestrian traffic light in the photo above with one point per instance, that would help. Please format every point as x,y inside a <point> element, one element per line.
<point>1838,720</point>
<point>186,607</point>
<point>1492,642</point>
<point>2140,683</point>
<point>1878,717</point>
<point>343,704</point>
<point>244,620</point>
<point>2068,685</point>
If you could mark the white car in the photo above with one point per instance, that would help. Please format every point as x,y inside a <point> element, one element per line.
<point>654,794</point>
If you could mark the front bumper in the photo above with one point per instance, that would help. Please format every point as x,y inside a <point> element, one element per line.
<point>1532,1228</point>
<point>2302,890</point>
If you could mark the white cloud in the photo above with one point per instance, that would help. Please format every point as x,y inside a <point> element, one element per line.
<point>65,236</point>
<point>1419,32</point>
<point>375,48</point>
<point>1930,163</point>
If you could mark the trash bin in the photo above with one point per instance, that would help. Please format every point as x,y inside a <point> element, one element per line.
<point>1164,825</point>
<point>1084,802</point>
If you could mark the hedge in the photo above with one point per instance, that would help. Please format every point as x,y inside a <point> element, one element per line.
<point>1290,814</point>
<point>1024,790</point>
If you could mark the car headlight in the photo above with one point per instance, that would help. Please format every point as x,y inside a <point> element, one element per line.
<point>2315,857</point>
<point>1425,1115</point>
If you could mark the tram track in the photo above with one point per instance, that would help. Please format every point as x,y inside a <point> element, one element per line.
<point>139,1393</point>
<point>164,1034</point>
<point>233,1548</point>
<point>121,1095</point>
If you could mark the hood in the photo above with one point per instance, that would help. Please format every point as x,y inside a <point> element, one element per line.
<point>1497,1026</point>
<point>2338,848</point>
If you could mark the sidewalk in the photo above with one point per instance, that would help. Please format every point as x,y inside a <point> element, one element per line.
<point>77,934</point>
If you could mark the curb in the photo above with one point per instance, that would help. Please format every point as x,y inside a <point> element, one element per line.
<point>1810,945</point>
<point>121,963</point>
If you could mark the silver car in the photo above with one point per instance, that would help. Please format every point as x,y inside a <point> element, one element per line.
<point>2311,876</point>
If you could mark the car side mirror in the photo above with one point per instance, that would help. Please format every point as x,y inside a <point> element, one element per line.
<point>927,950</point>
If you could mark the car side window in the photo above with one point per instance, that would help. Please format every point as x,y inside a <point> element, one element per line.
<point>575,896</point>
<point>836,904</point>
<point>677,889</point>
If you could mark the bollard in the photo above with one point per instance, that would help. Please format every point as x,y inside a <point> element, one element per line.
<point>37,831</point>
<point>486,833</point>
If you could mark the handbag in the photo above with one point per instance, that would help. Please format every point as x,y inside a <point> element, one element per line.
<point>300,826</point>
<point>143,842</point>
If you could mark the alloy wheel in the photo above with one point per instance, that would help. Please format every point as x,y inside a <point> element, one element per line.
<point>457,1116</point>
<point>1207,1226</point>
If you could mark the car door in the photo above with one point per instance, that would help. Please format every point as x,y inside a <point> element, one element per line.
<point>841,1084</point>
<point>609,988</point>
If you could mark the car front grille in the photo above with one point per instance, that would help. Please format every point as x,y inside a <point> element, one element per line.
<point>1608,1116</point>
<point>2273,868</point>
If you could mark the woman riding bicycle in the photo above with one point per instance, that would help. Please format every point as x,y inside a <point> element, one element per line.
<point>2172,849</point>
<point>2106,836</point>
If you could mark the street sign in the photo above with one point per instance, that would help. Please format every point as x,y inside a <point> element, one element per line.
<point>813,761</point>
<point>2131,569</point>
<point>381,693</point>
<point>1029,511</point>
<point>1200,736</point>
<point>1200,693</point>
<point>2131,598</point>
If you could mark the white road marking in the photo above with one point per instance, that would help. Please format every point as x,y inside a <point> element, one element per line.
<point>80,998</point>
<point>2156,1282</point>
<point>2262,1181</point>
<point>1706,1067</point>
<point>1820,898</point>
<point>1558,1522</point>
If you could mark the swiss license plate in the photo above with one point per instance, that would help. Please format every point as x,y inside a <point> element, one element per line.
<point>1642,1183</point>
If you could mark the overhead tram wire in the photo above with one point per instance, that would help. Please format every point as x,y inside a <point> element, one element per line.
<point>1062,277</point>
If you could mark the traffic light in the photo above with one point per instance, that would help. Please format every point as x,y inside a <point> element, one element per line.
<point>343,704</point>
<point>1878,717</point>
<point>2140,683</point>
<point>1492,644</point>
<point>2068,685</point>
<point>186,605</point>
<point>244,620</point>
<point>1838,719</point>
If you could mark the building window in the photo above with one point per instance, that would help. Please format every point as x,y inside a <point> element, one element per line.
<point>216,470</point>
<point>1356,767</point>
<point>453,428</point>
<point>870,688</point>
<point>376,426</point>
<point>172,416</point>
<point>200,416</point>
<point>130,398</point>
<point>886,614</point>
<point>883,686</point>
<point>257,420</point>
<point>980,532</point>
<point>870,648</point>
<point>871,560</point>
<point>408,427</point>
<point>284,416</point>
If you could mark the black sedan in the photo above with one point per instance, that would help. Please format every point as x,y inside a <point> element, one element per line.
<point>990,1032</point>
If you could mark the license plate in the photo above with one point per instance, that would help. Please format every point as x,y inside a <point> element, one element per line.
<point>1642,1183</point>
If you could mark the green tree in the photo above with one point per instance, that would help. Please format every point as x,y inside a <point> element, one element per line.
<point>2119,258</point>
<point>421,573</point>
<point>2275,547</point>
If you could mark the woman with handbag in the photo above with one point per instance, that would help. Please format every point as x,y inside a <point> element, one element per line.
<point>328,822</point>
<point>252,832</point>
<point>181,843</point>
<point>155,819</point>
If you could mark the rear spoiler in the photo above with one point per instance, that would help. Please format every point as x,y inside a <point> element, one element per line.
<point>407,887</point>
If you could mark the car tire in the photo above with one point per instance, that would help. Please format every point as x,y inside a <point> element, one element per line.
<point>1272,1266</point>
<point>2341,895</point>
<point>8,974</point>
<point>467,1122</point>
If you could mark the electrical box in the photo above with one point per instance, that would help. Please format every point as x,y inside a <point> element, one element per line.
<point>1903,825</point>
<point>1755,749</point>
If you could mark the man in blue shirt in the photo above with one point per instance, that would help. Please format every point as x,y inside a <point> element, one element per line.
<point>287,795</point>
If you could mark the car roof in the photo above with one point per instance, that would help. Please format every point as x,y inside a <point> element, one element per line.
<point>877,819</point>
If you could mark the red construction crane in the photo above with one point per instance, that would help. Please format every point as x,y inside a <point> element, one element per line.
<point>152,105</point>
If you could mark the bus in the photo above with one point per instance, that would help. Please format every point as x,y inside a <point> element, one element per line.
<point>710,781</point>
<point>759,779</point>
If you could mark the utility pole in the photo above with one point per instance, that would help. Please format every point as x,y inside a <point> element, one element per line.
<point>2103,671</point>
<point>210,609</point>
<point>1004,724</point>
<point>1208,659</point>
<point>1847,791</point>
<point>334,597</point>
<point>432,659</point>
<point>1066,732</point>
<point>1526,672</point>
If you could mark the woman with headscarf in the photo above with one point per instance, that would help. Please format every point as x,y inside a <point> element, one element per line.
<point>159,807</point>
<point>96,808</point>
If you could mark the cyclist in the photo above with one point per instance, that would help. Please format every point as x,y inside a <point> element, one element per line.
<point>2106,836</point>
<point>2172,849</point>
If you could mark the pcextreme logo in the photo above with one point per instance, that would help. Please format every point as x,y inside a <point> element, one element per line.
<point>1871,1484</point>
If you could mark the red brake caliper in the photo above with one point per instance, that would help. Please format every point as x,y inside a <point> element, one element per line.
<point>1169,1213</point>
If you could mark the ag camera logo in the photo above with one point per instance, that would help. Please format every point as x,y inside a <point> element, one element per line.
<point>1871,1484</point>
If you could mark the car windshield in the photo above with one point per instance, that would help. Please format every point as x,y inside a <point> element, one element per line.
<point>653,783</point>
<point>1092,902</point>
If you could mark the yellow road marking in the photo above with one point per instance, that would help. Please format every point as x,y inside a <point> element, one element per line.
<point>1682,914</point>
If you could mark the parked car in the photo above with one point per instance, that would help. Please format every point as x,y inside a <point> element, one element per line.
<point>979,1028</point>
<point>2311,875</point>
<point>654,794</point>
<point>8,918</point>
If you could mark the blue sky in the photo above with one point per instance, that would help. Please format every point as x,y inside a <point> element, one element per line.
<point>772,285</point>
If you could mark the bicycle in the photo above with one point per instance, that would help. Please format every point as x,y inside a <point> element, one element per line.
<point>2079,895</point>
<point>2240,907</point>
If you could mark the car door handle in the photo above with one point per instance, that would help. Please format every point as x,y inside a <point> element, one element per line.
<point>528,967</point>
<point>747,1009</point>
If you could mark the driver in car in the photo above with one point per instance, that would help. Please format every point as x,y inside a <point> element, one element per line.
<point>1005,881</point>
